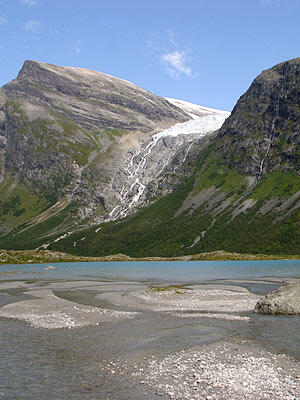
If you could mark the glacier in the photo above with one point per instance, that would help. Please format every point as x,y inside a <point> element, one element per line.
<point>149,160</point>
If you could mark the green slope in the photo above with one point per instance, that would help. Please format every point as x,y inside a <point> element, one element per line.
<point>192,219</point>
<point>158,230</point>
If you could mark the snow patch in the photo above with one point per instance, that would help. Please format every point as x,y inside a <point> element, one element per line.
<point>194,110</point>
<point>64,236</point>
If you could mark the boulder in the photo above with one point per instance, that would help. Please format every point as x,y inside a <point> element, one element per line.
<point>283,301</point>
<point>50,268</point>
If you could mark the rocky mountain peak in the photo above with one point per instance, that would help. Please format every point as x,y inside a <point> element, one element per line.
<point>47,81</point>
<point>262,133</point>
<point>29,69</point>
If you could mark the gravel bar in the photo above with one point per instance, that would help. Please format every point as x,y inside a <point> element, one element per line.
<point>224,371</point>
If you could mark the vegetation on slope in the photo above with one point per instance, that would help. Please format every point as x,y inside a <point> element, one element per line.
<point>34,236</point>
<point>168,228</point>
<point>157,231</point>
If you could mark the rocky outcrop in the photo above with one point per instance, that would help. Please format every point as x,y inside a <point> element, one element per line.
<point>283,301</point>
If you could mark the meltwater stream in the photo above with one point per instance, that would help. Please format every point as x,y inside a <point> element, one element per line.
<point>37,363</point>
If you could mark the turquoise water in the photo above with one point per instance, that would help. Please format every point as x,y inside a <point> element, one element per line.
<point>176,271</point>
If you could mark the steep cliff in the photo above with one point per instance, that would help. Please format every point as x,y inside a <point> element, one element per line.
<point>262,135</point>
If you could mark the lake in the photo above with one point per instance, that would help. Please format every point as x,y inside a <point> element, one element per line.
<point>164,271</point>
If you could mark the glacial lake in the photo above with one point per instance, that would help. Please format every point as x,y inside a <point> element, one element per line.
<point>161,271</point>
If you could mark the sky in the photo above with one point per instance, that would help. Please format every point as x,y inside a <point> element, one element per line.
<point>203,51</point>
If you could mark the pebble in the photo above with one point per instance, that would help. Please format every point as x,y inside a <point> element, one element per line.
<point>228,375</point>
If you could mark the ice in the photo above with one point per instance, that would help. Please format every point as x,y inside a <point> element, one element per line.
<point>200,125</point>
<point>204,121</point>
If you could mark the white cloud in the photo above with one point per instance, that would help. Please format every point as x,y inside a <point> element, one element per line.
<point>174,57</point>
<point>176,63</point>
<point>3,20</point>
<point>33,25</point>
<point>77,47</point>
<point>29,3</point>
<point>172,38</point>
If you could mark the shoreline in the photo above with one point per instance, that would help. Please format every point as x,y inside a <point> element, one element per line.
<point>12,257</point>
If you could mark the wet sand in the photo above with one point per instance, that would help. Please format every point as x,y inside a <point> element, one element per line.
<point>168,342</point>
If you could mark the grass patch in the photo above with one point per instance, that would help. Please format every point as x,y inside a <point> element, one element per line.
<point>219,176</point>
<point>178,289</point>
<point>18,205</point>
<point>112,133</point>
<point>40,233</point>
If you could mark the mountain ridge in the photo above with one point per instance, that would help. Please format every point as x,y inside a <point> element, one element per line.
<point>236,188</point>
<point>68,139</point>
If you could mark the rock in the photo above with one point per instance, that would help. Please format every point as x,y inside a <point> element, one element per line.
<point>50,268</point>
<point>283,301</point>
<point>261,135</point>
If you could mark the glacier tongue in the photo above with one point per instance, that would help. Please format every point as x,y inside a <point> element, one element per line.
<point>148,162</point>
<point>200,125</point>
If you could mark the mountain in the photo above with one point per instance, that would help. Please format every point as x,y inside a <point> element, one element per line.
<point>240,191</point>
<point>64,132</point>
<point>189,187</point>
<point>79,147</point>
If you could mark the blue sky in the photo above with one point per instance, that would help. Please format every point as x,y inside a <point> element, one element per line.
<point>203,51</point>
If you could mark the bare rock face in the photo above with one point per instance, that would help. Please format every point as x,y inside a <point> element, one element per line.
<point>56,119</point>
<point>92,99</point>
<point>284,301</point>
